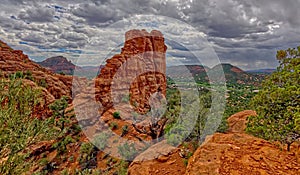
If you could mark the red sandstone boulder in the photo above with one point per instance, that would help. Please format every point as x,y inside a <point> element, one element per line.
<point>160,158</point>
<point>237,122</point>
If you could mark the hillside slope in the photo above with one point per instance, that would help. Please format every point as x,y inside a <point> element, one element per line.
<point>13,61</point>
<point>233,74</point>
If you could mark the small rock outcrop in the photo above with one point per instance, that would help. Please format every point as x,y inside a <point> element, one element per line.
<point>237,122</point>
<point>137,72</point>
<point>160,158</point>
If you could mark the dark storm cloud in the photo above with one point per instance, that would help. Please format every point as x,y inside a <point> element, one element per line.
<point>246,33</point>
<point>94,14</point>
<point>109,11</point>
<point>227,19</point>
<point>279,10</point>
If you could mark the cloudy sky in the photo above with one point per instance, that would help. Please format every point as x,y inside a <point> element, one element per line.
<point>241,32</point>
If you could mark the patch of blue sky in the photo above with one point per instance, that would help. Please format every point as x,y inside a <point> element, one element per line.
<point>64,50</point>
<point>59,9</point>
<point>57,17</point>
<point>41,47</point>
<point>151,24</point>
<point>36,58</point>
<point>23,42</point>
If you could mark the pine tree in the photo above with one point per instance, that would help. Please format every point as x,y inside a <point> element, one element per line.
<point>278,103</point>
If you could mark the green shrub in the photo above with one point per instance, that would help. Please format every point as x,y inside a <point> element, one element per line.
<point>44,161</point>
<point>28,75</point>
<point>127,151</point>
<point>125,130</point>
<point>65,172</point>
<point>42,82</point>
<point>86,148</point>
<point>122,168</point>
<point>75,129</point>
<point>125,99</point>
<point>185,162</point>
<point>19,129</point>
<point>113,125</point>
<point>116,115</point>
<point>16,75</point>
<point>88,153</point>
<point>100,140</point>
<point>58,108</point>
<point>174,139</point>
<point>19,74</point>
<point>71,159</point>
<point>176,135</point>
<point>223,127</point>
<point>189,155</point>
<point>61,145</point>
<point>88,172</point>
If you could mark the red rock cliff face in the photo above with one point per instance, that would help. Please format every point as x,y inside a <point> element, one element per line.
<point>138,71</point>
<point>12,61</point>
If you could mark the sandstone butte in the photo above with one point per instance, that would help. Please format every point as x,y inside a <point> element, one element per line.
<point>140,69</point>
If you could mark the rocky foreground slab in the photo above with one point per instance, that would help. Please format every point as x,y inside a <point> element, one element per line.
<point>233,153</point>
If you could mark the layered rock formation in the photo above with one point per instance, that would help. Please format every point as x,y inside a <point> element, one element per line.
<point>12,61</point>
<point>136,73</point>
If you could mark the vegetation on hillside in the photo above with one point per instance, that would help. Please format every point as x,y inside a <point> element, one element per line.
<point>278,103</point>
<point>19,128</point>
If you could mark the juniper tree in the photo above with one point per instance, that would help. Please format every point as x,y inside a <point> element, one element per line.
<point>278,102</point>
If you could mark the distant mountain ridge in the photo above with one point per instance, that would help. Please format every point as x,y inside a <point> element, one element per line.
<point>62,65</point>
<point>267,71</point>
<point>184,71</point>
<point>59,64</point>
<point>219,73</point>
